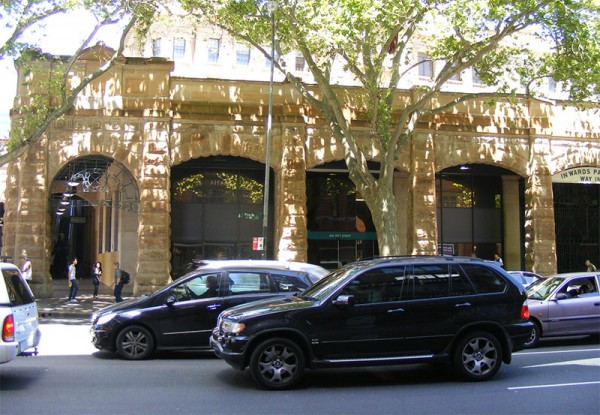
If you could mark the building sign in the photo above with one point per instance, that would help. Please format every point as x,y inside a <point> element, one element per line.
<point>258,243</point>
<point>584,175</point>
<point>347,236</point>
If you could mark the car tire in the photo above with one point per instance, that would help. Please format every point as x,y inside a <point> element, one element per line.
<point>135,343</point>
<point>277,363</point>
<point>534,339</point>
<point>478,356</point>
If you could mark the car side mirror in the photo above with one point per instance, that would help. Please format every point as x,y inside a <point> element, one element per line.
<point>561,296</point>
<point>344,300</point>
<point>170,300</point>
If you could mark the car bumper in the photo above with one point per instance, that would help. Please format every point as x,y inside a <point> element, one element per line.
<point>230,350</point>
<point>101,339</point>
<point>519,333</point>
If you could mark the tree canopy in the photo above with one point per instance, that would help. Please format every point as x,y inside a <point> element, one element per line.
<point>507,43</point>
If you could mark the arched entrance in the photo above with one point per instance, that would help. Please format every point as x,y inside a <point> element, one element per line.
<point>217,210</point>
<point>480,213</point>
<point>94,203</point>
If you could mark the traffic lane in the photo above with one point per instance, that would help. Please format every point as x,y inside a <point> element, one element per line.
<point>187,383</point>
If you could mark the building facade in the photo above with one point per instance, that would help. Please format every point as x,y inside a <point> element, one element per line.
<point>153,170</point>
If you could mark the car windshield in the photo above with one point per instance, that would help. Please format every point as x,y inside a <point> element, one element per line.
<point>330,283</point>
<point>542,289</point>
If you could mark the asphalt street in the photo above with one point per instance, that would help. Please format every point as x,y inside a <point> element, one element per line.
<point>70,377</point>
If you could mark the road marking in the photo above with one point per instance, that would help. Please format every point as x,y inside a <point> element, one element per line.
<point>558,385</point>
<point>582,362</point>
<point>556,352</point>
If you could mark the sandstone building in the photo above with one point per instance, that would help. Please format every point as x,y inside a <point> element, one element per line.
<point>153,170</point>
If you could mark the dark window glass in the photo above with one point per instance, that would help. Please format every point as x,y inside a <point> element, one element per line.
<point>214,46</point>
<point>18,291</point>
<point>178,49</point>
<point>484,279</point>
<point>287,283</point>
<point>430,281</point>
<point>459,283</point>
<point>201,286</point>
<point>377,286</point>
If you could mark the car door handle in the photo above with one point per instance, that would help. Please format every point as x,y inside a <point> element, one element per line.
<point>213,306</point>
<point>396,310</point>
<point>462,305</point>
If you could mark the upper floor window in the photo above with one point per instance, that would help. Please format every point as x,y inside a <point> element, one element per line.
<point>425,66</point>
<point>213,49</point>
<point>551,85</point>
<point>178,48</point>
<point>156,47</point>
<point>242,54</point>
<point>475,77</point>
<point>300,63</point>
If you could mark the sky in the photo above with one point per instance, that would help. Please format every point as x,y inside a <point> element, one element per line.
<point>59,35</point>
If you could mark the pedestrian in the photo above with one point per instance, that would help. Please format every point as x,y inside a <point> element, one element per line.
<point>498,259</point>
<point>96,275</point>
<point>117,282</point>
<point>72,277</point>
<point>25,267</point>
<point>589,266</point>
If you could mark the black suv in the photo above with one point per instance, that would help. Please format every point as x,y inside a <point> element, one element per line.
<point>181,315</point>
<point>382,311</point>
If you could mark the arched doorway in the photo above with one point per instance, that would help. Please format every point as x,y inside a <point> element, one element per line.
<point>94,203</point>
<point>217,210</point>
<point>480,213</point>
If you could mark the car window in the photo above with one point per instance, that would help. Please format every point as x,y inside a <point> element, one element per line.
<point>14,289</point>
<point>377,286</point>
<point>484,279</point>
<point>248,282</point>
<point>200,286</point>
<point>436,281</point>
<point>287,283</point>
<point>580,287</point>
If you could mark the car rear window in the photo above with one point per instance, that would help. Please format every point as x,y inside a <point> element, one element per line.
<point>484,279</point>
<point>15,291</point>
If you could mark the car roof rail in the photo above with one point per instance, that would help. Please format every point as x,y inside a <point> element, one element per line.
<point>449,258</point>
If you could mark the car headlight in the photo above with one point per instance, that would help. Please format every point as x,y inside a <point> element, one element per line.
<point>105,318</point>
<point>232,327</point>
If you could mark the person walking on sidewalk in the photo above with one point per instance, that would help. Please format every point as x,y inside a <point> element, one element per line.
<point>72,276</point>
<point>96,274</point>
<point>117,282</point>
<point>26,267</point>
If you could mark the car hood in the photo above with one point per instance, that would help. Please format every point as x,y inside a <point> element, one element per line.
<point>267,306</point>
<point>124,305</point>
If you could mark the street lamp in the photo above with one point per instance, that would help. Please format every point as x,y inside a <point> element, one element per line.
<point>272,6</point>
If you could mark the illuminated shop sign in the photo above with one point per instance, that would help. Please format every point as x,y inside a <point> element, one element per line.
<point>584,175</point>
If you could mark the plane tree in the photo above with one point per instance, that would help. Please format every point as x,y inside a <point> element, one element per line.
<point>23,30</point>
<point>507,43</point>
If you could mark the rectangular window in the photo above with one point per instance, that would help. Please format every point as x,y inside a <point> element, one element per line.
<point>552,85</point>
<point>300,63</point>
<point>425,66</point>
<point>178,49</point>
<point>242,54</point>
<point>213,50</point>
<point>475,77</point>
<point>247,283</point>
<point>156,47</point>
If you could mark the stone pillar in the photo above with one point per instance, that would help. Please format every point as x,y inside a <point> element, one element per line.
<point>512,222</point>
<point>422,217</point>
<point>540,246</point>
<point>291,242</point>
<point>26,216</point>
<point>402,194</point>
<point>154,228</point>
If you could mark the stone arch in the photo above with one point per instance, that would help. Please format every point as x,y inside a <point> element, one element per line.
<point>94,203</point>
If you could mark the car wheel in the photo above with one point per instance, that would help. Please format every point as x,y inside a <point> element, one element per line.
<point>478,356</point>
<point>277,363</point>
<point>135,343</point>
<point>534,338</point>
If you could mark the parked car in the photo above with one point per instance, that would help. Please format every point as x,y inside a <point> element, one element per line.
<point>382,311</point>
<point>564,305</point>
<point>526,277</point>
<point>182,315</point>
<point>315,272</point>
<point>18,315</point>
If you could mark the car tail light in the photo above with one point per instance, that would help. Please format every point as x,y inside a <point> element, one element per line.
<point>525,312</point>
<point>8,329</point>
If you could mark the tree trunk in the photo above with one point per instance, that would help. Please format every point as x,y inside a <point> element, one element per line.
<point>382,204</point>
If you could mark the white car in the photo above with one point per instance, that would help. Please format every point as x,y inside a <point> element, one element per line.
<point>18,315</point>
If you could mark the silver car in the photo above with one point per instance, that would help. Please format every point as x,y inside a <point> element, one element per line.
<point>564,305</point>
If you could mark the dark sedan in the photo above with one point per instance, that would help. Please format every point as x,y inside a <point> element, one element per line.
<point>182,315</point>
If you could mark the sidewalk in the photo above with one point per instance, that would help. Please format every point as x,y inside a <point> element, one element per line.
<point>57,307</point>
